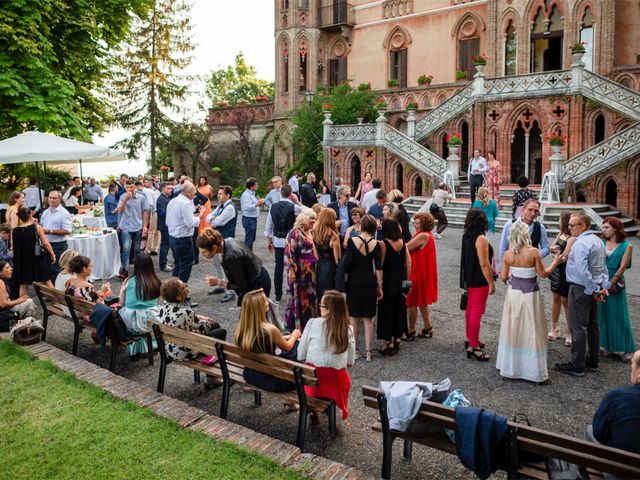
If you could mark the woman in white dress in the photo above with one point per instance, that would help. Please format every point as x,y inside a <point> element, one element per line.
<point>522,349</point>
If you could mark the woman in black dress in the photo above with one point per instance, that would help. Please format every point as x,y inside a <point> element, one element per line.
<point>364,287</point>
<point>327,243</point>
<point>559,284</point>
<point>396,267</point>
<point>27,267</point>
<point>401,215</point>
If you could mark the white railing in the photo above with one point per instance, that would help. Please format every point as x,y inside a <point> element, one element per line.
<point>413,153</point>
<point>352,135</point>
<point>452,107</point>
<point>529,85</point>
<point>604,155</point>
<point>612,94</point>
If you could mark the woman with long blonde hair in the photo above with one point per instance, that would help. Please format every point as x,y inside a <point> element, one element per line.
<point>522,348</point>
<point>489,206</point>
<point>329,345</point>
<point>327,244</point>
<point>255,334</point>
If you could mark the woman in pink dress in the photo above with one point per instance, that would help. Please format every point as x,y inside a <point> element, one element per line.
<point>364,187</point>
<point>492,178</point>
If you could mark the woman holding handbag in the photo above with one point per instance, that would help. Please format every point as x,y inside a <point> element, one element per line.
<point>32,253</point>
<point>476,277</point>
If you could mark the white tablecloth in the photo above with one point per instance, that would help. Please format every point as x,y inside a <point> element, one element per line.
<point>91,221</point>
<point>103,250</point>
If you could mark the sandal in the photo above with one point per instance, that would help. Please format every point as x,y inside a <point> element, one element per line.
<point>409,336</point>
<point>480,344</point>
<point>367,356</point>
<point>554,332</point>
<point>386,348</point>
<point>426,333</point>
<point>483,357</point>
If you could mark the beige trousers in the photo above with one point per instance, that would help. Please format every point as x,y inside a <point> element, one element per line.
<point>25,309</point>
<point>153,236</point>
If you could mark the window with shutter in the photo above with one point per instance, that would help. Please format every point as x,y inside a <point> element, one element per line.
<point>467,49</point>
<point>398,66</point>
<point>342,70</point>
<point>337,71</point>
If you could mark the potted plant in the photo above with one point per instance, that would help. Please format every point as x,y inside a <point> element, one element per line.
<point>364,87</point>
<point>411,106</point>
<point>380,104</point>
<point>222,104</point>
<point>326,107</point>
<point>557,140</point>
<point>479,59</point>
<point>164,171</point>
<point>578,47</point>
<point>393,83</point>
<point>425,80</point>
<point>462,74</point>
<point>454,139</point>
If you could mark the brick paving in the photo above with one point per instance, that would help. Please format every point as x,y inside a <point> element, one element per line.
<point>187,416</point>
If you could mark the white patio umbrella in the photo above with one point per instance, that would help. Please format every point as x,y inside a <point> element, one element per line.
<point>35,147</point>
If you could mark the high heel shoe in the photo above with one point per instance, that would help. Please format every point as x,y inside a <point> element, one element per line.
<point>483,357</point>
<point>554,332</point>
<point>466,345</point>
<point>386,348</point>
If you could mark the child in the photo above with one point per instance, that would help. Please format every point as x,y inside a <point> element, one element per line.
<point>5,252</point>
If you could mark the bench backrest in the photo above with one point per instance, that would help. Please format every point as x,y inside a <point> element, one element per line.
<point>536,440</point>
<point>268,364</point>
<point>57,299</point>
<point>80,305</point>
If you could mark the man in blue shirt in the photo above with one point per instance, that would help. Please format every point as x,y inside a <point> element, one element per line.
<point>250,206</point>
<point>274,194</point>
<point>539,240</point>
<point>377,210</point>
<point>111,206</point>
<point>616,423</point>
<point>161,209</point>
<point>134,212</point>
<point>588,283</point>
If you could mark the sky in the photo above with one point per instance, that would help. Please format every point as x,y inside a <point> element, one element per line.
<point>221,29</point>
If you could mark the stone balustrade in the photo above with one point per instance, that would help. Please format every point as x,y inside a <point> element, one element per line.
<point>262,112</point>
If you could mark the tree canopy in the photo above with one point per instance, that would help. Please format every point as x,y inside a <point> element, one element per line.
<point>147,82</point>
<point>237,82</point>
<point>347,104</point>
<point>54,58</point>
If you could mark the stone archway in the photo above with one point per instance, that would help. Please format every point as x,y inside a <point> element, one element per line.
<point>356,171</point>
<point>611,193</point>
<point>399,171</point>
<point>417,186</point>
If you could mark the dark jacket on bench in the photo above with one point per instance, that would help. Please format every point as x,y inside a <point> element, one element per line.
<point>478,435</point>
<point>99,317</point>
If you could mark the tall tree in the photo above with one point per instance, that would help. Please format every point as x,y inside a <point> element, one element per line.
<point>54,58</point>
<point>237,82</point>
<point>148,82</point>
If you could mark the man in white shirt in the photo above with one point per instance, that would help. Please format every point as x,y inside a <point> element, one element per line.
<point>369,198</point>
<point>250,206</point>
<point>475,173</point>
<point>181,222</point>
<point>295,185</point>
<point>32,196</point>
<point>56,222</point>
<point>223,218</point>
<point>93,191</point>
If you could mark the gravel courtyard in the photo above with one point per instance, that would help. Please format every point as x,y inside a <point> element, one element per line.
<point>566,404</point>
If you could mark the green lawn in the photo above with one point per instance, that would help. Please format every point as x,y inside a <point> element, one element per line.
<point>55,426</point>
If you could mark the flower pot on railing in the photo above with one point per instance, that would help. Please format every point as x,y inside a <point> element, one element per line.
<point>327,114</point>
<point>576,59</point>
<point>479,69</point>
<point>360,120</point>
<point>381,112</point>
<point>453,159</point>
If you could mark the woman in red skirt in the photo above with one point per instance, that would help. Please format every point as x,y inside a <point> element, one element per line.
<point>328,344</point>
<point>424,275</point>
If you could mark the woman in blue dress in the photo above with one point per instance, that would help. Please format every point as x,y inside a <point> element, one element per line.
<point>616,336</point>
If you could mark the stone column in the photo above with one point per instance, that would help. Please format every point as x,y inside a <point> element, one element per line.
<point>411,123</point>
<point>577,71</point>
<point>381,121</point>
<point>556,160</point>
<point>478,80</point>
<point>326,132</point>
<point>453,161</point>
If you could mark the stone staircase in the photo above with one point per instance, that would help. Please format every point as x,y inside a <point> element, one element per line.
<point>457,210</point>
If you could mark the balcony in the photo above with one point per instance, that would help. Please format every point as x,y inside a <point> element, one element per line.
<point>335,16</point>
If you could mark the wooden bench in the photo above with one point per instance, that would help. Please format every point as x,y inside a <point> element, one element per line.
<point>75,310</point>
<point>520,440</point>
<point>230,366</point>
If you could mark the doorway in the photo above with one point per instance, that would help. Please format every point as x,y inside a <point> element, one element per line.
<point>417,186</point>
<point>356,171</point>
<point>517,153</point>
<point>535,154</point>
<point>611,193</point>
<point>399,177</point>
<point>531,136</point>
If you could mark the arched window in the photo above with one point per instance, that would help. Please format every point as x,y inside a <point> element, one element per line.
<point>338,64</point>
<point>417,186</point>
<point>303,54</point>
<point>611,193</point>
<point>397,45</point>
<point>599,130</point>
<point>546,39</point>
<point>285,66</point>
<point>356,170</point>
<point>510,50</point>
<point>587,38</point>
<point>285,4</point>
<point>399,177</point>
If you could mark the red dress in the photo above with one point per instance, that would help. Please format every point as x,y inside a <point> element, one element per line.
<point>424,274</point>
<point>334,385</point>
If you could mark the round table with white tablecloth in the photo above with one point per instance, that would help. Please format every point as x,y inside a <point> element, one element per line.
<point>102,249</point>
<point>91,221</point>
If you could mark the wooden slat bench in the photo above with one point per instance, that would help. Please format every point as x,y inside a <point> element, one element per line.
<point>230,366</point>
<point>521,439</point>
<point>73,309</point>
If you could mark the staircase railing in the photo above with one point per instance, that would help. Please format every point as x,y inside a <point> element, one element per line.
<point>604,155</point>
<point>528,85</point>
<point>413,153</point>
<point>612,94</point>
<point>360,135</point>
<point>458,103</point>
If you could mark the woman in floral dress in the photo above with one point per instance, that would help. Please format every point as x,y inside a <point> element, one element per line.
<point>492,178</point>
<point>300,260</point>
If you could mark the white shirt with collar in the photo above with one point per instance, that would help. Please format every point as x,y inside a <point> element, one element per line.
<point>369,199</point>
<point>56,219</point>
<point>268,229</point>
<point>477,166</point>
<point>222,214</point>
<point>181,220</point>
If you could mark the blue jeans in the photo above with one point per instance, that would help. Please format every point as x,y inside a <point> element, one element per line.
<point>250,227</point>
<point>182,250</point>
<point>130,241</point>
<point>58,248</point>
<point>164,248</point>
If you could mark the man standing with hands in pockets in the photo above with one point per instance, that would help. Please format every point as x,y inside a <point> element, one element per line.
<point>588,283</point>
<point>477,168</point>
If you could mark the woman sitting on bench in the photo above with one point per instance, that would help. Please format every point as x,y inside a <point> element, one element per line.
<point>255,334</point>
<point>328,344</point>
<point>80,286</point>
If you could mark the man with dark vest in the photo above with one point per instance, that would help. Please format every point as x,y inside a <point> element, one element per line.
<point>539,240</point>
<point>223,219</point>
<point>343,207</point>
<point>280,220</point>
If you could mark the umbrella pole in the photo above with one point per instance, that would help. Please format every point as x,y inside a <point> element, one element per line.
<point>81,182</point>
<point>38,183</point>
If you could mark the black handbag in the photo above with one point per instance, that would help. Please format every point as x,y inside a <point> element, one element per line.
<point>37,248</point>
<point>464,299</point>
<point>8,319</point>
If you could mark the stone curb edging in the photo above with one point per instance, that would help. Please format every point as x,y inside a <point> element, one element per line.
<point>187,416</point>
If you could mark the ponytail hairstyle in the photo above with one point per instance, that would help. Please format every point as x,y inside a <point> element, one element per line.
<point>209,239</point>
<point>336,321</point>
